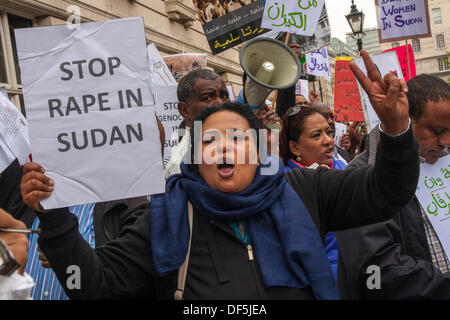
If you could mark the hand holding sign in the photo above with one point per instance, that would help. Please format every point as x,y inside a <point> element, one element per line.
<point>35,186</point>
<point>387,96</point>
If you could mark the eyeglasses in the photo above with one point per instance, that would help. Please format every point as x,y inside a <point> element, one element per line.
<point>294,110</point>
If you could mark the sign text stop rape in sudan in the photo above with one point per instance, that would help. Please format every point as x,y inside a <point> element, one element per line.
<point>90,110</point>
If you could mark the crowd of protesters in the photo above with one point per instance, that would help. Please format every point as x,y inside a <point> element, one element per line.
<point>225,230</point>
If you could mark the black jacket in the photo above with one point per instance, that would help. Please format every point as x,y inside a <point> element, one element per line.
<point>10,196</point>
<point>220,265</point>
<point>398,246</point>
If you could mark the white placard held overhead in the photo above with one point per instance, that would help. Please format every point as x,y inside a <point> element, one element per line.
<point>14,130</point>
<point>317,63</point>
<point>386,62</point>
<point>299,17</point>
<point>160,73</point>
<point>433,193</point>
<point>402,19</point>
<point>166,105</point>
<point>90,110</point>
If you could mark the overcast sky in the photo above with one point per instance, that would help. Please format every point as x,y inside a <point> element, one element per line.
<point>337,9</point>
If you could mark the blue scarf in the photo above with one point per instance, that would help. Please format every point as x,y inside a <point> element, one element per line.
<point>288,247</point>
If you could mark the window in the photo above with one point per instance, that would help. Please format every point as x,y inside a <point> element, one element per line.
<point>440,41</point>
<point>437,18</point>
<point>443,63</point>
<point>416,45</point>
<point>9,65</point>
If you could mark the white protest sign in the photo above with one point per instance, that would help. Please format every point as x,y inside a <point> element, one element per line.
<point>14,129</point>
<point>386,62</point>
<point>304,89</point>
<point>160,73</point>
<point>433,193</point>
<point>166,105</point>
<point>3,91</point>
<point>402,19</point>
<point>6,155</point>
<point>339,129</point>
<point>299,17</point>
<point>318,64</point>
<point>89,107</point>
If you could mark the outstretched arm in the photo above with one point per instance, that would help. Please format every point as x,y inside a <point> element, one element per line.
<point>122,268</point>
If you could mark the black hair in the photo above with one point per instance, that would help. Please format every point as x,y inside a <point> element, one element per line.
<point>185,90</point>
<point>292,129</point>
<point>239,108</point>
<point>424,88</point>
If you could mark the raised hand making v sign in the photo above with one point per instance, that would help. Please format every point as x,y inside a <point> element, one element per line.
<point>387,96</point>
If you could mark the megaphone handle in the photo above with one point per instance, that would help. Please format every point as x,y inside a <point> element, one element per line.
<point>244,80</point>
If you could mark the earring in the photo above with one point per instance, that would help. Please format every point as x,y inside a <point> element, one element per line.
<point>299,158</point>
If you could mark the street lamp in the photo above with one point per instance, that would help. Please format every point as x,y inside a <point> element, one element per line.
<point>356,21</point>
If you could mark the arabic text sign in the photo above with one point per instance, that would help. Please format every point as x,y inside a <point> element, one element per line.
<point>299,17</point>
<point>347,101</point>
<point>240,24</point>
<point>386,62</point>
<point>166,105</point>
<point>433,193</point>
<point>160,73</point>
<point>89,107</point>
<point>402,59</point>
<point>402,19</point>
<point>317,63</point>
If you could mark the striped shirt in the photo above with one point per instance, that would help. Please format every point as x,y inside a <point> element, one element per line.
<point>46,285</point>
<point>438,256</point>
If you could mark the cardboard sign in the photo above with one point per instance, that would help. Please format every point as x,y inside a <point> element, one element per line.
<point>347,101</point>
<point>402,59</point>
<point>386,62</point>
<point>229,24</point>
<point>433,193</point>
<point>317,63</point>
<point>90,110</point>
<point>299,17</point>
<point>14,138</point>
<point>166,105</point>
<point>160,73</point>
<point>402,19</point>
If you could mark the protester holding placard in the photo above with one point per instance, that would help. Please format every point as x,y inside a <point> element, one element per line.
<point>406,250</point>
<point>149,254</point>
